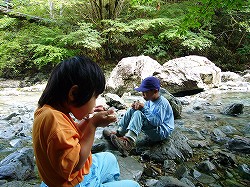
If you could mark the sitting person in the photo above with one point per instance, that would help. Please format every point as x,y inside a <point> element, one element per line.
<point>155,118</point>
<point>62,147</point>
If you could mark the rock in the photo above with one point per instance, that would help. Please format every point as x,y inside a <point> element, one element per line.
<point>202,177</point>
<point>245,171</point>
<point>230,76</point>
<point>185,74</point>
<point>189,73</point>
<point>114,100</point>
<point>175,147</point>
<point>174,102</point>
<point>168,181</point>
<point>206,166</point>
<point>129,73</point>
<point>18,165</point>
<point>239,144</point>
<point>233,110</point>
<point>130,168</point>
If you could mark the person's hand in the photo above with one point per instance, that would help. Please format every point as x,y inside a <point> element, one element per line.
<point>137,105</point>
<point>103,118</point>
<point>133,105</point>
<point>99,108</point>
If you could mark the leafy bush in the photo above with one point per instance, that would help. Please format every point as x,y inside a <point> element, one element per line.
<point>29,48</point>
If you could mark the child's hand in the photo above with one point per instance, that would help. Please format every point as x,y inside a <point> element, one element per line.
<point>99,108</point>
<point>103,118</point>
<point>137,105</point>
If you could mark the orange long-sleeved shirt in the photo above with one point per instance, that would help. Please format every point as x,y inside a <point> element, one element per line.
<point>56,148</point>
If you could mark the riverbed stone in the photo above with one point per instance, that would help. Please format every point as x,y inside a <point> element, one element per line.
<point>18,165</point>
<point>169,181</point>
<point>239,144</point>
<point>130,168</point>
<point>234,109</point>
<point>197,129</point>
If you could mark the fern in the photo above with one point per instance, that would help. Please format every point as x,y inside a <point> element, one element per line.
<point>84,37</point>
<point>47,54</point>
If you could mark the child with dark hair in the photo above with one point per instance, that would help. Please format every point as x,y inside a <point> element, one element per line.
<point>62,147</point>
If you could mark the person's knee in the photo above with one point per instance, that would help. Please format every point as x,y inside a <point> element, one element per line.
<point>130,183</point>
<point>138,113</point>
<point>110,157</point>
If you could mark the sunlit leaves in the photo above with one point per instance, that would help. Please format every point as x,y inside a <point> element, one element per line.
<point>84,37</point>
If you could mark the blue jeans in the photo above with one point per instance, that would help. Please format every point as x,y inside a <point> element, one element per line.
<point>136,121</point>
<point>104,172</point>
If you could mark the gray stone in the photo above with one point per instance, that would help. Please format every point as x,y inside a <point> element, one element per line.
<point>168,181</point>
<point>130,168</point>
<point>174,102</point>
<point>233,110</point>
<point>18,165</point>
<point>239,144</point>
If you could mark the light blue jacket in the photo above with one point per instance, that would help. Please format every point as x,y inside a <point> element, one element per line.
<point>160,114</point>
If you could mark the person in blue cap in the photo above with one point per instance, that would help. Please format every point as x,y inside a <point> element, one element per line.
<point>154,117</point>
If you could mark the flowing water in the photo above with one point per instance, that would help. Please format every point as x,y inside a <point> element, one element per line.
<point>201,113</point>
<point>206,109</point>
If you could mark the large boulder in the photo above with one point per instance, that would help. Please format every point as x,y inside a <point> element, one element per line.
<point>189,73</point>
<point>129,73</point>
<point>185,74</point>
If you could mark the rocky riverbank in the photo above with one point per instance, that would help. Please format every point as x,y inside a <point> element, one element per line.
<point>209,147</point>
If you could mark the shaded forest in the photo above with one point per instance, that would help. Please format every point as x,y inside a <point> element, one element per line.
<point>35,35</point>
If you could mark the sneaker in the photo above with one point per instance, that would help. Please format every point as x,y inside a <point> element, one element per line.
<point>123,144</point>
<point>107,133</point>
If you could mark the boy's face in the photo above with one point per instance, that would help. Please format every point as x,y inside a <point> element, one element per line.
<point>150,95</point>
<point>84,110</point>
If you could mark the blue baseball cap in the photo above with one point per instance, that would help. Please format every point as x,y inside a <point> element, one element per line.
<point>149,83</point>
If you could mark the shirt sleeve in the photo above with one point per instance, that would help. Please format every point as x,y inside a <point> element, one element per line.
<point>63,152</point>
<point>155,116</point>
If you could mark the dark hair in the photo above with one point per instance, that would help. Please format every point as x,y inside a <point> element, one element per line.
<point>78,70</point>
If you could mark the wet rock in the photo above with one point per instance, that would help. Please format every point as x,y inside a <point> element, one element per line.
<point>18,165</point>
<point>223,159</point>
<point>174,102</point>
<point>228,129</point>
<point>114,100</point>
<point>198,143</point>
<point>232,183</point>
<point>245,171</point>
<point>206,166</point>
<point>233,110</point>
<point>187,181</point>
<point>169,165</point>
<point>182,171</point>
<point>239,144</point>
<point>130,168</point>
<point>210,117</point>
<point>17,143</point>
<point>202,177</point>
<point>168,181</point>
<point>150,182</point>
<point>175,147</point>
<point>10,116</point>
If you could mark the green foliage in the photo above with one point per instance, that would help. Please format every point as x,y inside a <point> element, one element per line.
<point>7,22</point>
<point>84,37</point>
<point>29,48</point>
<point>202,13</point>
<point>143,2</point>
<point>110,30</point>
<point>46,54</point>
<point>156,36</point>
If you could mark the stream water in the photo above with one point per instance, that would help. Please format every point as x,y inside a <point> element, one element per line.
<point>201,113</point>
<point>196,114</point>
